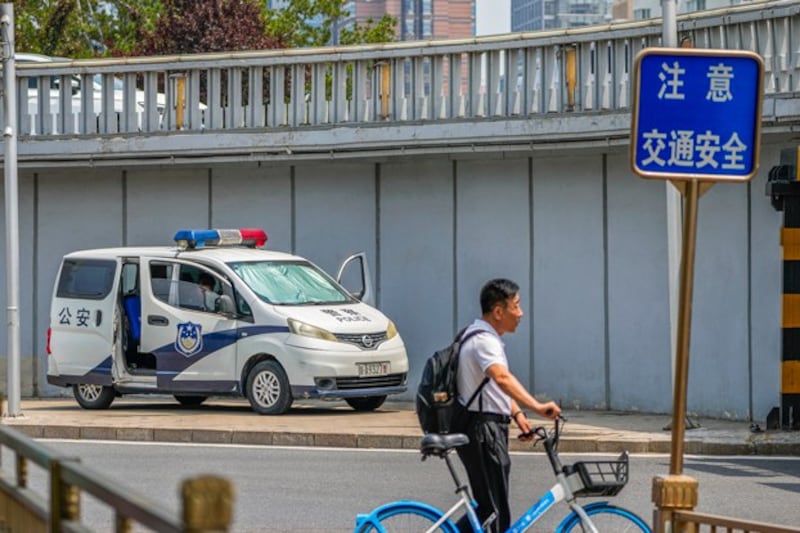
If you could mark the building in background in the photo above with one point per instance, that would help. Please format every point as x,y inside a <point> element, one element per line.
<point>416,19</point>
<point>645,9</point>
<point>532,15</point>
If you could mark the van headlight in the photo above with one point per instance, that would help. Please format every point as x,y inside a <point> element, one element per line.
<point>307,330</point>
<point>391,330</point>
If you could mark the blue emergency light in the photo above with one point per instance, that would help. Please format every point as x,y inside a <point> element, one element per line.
<point>201,238</point>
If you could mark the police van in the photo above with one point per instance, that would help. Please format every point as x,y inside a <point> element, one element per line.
<point>217,314</point>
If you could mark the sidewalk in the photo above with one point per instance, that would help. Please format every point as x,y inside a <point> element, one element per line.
<point>230,421</point>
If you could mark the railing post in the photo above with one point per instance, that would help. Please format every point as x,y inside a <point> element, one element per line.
<point>179,79</point>
<point>65,503</point>
<point>672,493</point>
<point>123,524</point>
<point>22,471</point>
<point>207,504</point>
<point>571,75</point>
<point>386,79</point>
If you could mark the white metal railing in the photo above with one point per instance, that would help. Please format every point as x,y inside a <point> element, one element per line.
<point>579,70</point>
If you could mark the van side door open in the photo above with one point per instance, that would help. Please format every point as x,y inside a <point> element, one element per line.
<point>194,344</point>
<point>82,320</point>
<point>354,276</point>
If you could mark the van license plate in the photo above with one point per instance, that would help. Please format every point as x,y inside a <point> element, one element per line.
<point>380,368</point>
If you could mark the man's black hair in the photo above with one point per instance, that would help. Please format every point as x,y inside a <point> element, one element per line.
<point>497,291</point>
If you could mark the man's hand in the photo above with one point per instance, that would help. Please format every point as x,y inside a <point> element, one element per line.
<point>549,410</point>
<point>524,426</point>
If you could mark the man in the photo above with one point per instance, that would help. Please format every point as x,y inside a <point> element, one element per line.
<point>501,400</point>
<point>210,298</point>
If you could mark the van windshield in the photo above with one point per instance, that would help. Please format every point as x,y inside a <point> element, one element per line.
<point>290,283</point>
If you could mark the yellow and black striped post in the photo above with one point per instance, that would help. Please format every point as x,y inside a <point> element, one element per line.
<point>784,189</point>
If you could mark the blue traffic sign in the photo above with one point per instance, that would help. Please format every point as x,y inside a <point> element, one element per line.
<point>696,114</point>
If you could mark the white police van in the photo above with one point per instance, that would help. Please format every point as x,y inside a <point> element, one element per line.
<point>218,315</point>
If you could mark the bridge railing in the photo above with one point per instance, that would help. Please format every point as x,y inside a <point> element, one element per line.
<point>207,501</point>
<point>689,521</point>
<point>579,70</point>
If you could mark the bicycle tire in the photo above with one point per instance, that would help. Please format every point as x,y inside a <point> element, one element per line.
<point>607,518</point>
<point>403,517</point>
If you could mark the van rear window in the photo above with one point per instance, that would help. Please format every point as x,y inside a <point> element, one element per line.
<point>87,279</point>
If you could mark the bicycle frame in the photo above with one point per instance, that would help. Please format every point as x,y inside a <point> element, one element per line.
<point>469,507</point>
<point>561,491</point>
<point>571,482</point>
<point>555,495</point>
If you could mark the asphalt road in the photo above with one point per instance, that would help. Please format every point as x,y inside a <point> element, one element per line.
<point>322,489</point>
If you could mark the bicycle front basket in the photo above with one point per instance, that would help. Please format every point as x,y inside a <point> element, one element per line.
<point>602,478</point>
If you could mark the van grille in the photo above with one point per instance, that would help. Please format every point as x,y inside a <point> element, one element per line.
<point>392,380</point>
<point>367,341</point>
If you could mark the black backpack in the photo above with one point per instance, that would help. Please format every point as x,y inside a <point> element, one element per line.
<point>437,394</point>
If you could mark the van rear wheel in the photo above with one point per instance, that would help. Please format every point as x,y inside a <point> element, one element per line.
<point>268,389</point>
<point>93,396</point>
<point>366,404</point>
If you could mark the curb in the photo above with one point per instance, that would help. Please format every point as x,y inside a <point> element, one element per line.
<point>762,445</point>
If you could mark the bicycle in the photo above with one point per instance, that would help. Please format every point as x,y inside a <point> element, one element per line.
<point>583,478</point>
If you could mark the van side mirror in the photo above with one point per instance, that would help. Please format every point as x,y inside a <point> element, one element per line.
<point>226,305</point>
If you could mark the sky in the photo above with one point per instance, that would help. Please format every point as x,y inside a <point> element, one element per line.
<point>492,17</point>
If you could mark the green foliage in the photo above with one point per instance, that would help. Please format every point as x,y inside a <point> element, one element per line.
<point>291,28</point>
<point>130,23</point>
<point>381,31</point>
<point>91,28</point>
<point>82,28</point>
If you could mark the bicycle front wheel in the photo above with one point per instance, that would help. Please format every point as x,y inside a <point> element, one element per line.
<point>404,517</point>
<point>607,519</point>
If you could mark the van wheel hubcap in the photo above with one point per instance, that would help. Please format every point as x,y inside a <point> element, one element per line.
<point>90,392</point>
<point>266,388</point>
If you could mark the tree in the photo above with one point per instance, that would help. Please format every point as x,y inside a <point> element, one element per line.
<point>292,27</point>
<point>82,28</point>
<point>91,28</point>
<point>191,26</point>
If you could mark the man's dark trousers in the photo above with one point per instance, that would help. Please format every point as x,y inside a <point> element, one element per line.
<point>488,466</point>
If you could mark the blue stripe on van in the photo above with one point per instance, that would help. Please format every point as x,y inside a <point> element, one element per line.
<point>170,363</point>
<point>99,375</point>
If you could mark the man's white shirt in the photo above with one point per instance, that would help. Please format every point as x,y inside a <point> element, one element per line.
<point>477,354</point>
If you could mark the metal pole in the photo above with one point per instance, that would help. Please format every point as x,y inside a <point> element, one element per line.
<point>669,23</point>
<point>684,327</point>
<point>669,38</point>
<point>12,206</point>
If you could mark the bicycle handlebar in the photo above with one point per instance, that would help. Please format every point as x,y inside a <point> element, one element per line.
<point>541,433</point>
<point>549,440</point>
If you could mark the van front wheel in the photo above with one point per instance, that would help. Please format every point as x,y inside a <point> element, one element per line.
<point>268,389</point>
<point>93,396</point>
<point>190,401</point>
<point>366,404</point>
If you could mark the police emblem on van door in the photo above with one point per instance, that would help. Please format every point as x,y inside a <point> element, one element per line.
<point>189,339</point>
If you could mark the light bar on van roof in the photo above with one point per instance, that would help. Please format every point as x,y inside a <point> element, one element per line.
<point>200,238</point>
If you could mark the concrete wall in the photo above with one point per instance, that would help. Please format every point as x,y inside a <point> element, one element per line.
<point>584,237</point>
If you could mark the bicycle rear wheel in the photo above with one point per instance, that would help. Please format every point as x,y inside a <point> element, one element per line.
<point>403,517</point>
<point>607,519</point>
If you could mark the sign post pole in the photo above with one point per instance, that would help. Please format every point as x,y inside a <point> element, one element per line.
<point>684,326</point>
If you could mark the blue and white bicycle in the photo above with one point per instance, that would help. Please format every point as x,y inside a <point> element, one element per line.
<point>583,478</point>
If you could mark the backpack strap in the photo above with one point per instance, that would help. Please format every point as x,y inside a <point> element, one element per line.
<point>462,338</point>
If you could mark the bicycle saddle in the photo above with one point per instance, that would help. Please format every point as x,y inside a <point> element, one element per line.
<point>438,444</point>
